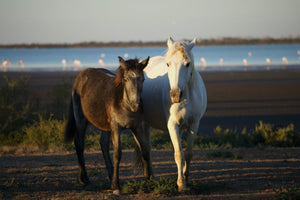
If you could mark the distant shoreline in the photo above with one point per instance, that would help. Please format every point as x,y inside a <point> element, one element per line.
<point>200,42</point>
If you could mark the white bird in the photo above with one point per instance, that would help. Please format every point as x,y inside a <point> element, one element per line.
<point>203,63</point>
<point>221,62</point>
<point>285,60</point>
<point>64,63</point>
<point>101,62</point>
<point>21,64</point>
<point>245,64</point>
<point>77,64</point>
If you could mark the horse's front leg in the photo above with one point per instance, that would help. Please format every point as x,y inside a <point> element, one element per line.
<point>188,154</point>
<point>178,154</point>
<point>104,141</point>
<point>117,153</point>
<point>144,145</point>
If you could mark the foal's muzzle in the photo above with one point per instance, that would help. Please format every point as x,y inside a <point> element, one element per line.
<point>134,107</point>
<point>175,95</point>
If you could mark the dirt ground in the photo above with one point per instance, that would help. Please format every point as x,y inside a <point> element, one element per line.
<point>260,172</point>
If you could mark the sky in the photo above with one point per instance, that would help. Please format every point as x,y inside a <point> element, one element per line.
<point>72,21</point>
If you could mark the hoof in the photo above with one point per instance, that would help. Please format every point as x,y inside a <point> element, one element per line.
<point>84,181</point>
<point>117,192</point>
<point>182,189</point>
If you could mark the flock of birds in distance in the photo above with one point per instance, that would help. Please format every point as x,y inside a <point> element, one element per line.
<point>76,65</point>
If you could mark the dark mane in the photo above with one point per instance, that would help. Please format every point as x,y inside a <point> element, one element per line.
<point>132,65</point>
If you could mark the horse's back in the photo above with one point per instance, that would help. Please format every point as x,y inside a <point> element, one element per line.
<point>94,88</point>
<point>156,67</point>
<point>93,77</point>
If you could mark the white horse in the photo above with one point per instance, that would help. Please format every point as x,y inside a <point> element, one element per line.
<point>174,99</point>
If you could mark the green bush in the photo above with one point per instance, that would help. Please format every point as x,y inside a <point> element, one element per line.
<point>45,133</point>
<point>61,97</point>
<point>268,134</point>
<point>15,104</point>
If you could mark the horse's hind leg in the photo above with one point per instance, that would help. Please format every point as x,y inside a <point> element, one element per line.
<point>104,141</point>
<point>81,124</point>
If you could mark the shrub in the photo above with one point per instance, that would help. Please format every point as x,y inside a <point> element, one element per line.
<point>61,96</point>
<point>268,134</point>
<point>45,133</point>
<point>15,104</point>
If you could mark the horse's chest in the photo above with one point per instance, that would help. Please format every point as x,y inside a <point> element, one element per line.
<point>126,120</point>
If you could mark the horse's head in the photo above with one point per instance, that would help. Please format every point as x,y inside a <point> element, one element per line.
<point>180,62</point>
<point>132,79</point>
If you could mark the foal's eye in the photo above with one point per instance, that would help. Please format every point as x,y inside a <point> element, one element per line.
<point>168,64</point>
<point>187,64</point>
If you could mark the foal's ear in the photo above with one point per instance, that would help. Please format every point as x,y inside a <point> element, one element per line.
<point>122,63</point>
<point>145,62</point>
<point>192,43</point>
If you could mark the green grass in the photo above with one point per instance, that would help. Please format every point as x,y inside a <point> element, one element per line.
<point>164,186</point>
<point>167,186</point>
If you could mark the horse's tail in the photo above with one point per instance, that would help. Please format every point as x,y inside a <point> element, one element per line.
<point>70,129</point>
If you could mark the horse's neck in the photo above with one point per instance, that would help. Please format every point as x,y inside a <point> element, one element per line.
<point>118,95</point>
<point>192,84</point>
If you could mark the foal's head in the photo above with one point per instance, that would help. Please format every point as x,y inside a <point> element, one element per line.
<point>131,76</point>
<point>180,62</point>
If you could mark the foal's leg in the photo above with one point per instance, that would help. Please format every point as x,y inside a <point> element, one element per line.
<point>81,124</point>
<point>144,148</point>
<point>117,153</point>
<point>178,154</point>
<point>104,141</point>
<point>188,154</point>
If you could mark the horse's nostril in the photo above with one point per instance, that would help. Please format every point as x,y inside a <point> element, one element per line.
<point>175,95</point>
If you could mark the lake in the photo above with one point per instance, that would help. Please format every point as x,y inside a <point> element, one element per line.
<point>206,57</point>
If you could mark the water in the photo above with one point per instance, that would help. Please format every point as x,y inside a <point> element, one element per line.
<point>206,58</point>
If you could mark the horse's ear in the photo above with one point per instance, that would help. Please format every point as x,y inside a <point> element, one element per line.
<point>192,43</point>
<point>170,41</point>
<point>122,63</point>
<point>145,62</point>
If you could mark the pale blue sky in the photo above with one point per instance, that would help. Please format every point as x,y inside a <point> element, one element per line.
<point>52,21</point>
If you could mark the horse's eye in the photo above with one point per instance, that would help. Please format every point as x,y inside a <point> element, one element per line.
<point>168,64</point>
<point>187,64</point>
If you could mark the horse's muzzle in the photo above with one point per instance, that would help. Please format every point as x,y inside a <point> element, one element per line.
<point>175,95</point>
